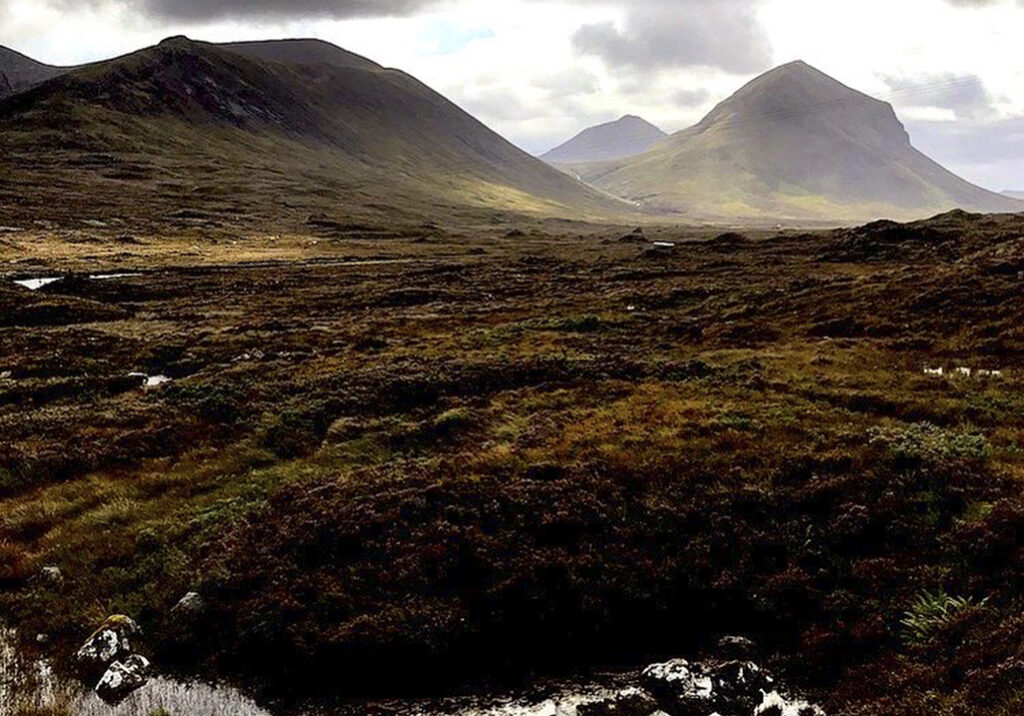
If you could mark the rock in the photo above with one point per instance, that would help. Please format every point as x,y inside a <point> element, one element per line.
<point>51,576</point>
<point>637,237</point>
<point>111,642</point>
<point>774,704</point>
<point>735,647</point>
<point>687,688</point>
<point>190,605</point>
<point>628,702</point>
<point>123,678</point>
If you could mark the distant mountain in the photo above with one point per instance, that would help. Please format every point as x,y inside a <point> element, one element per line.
<point>622,138</point>
<point>795,144</point>
<point>18,72</point>
<point>262,130</point>
<point>1019,195</point>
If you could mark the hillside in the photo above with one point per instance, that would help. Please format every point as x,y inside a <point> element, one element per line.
<point>18,72</point>
<point>622,138</point>
<point>261,132</point>
<point>1014,194</point>
<point>794,144</point>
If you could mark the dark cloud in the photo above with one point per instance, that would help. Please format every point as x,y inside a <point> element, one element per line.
<point>690,98</point>
<point>965,95</point>
<point>207,10</point>
<point>724,34</point>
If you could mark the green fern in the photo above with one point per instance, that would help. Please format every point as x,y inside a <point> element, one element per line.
<point>932,612</point>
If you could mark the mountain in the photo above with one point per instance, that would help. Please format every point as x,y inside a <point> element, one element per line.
<point>1014,194</point>
<point>793,144</point>
<point>622,138</point>
<point>261,131</point>
<point>18,72</point>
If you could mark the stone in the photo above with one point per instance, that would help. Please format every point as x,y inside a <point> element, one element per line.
<point>687,688</point>
<point>122,678</point>
<point>51,576</point>
<point>735,647</point>
<point>774,704</point>
<point>190,605</point>
<point>111,642</point>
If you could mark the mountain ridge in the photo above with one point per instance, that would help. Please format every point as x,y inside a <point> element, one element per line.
<point>316,120</point>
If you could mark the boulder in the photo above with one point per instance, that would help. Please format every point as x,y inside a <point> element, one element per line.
<point>685,688</point>
<point>122,678</point>
<point>191,605</point>
<point>51,576</point>
<point>774,704</point>
<point>628,702</point>
<point>111,642</point>
<point>735,647</point>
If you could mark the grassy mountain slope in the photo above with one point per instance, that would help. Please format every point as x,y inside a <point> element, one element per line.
<point>794,143</point>
<point>261,131</point>
<point>622,138</point>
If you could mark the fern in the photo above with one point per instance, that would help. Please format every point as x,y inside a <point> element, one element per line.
<point>932,612</point>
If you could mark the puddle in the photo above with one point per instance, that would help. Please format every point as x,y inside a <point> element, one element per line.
<point>28,686</point>
<point>664,244</point>
<point>34,284</point>
<point>108,276</point>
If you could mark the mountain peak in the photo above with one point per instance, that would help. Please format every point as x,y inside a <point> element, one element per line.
<point>624,137</point>
<point>176,41</point>
<point>793,142</point>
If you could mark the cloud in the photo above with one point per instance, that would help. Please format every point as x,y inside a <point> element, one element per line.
<point>690,98</point>
<point>965,95</point>
<point>569,82</point>
<point>214,10</point>
<point>662,34</point>
<point>979,3</point>
<point>988,153</point>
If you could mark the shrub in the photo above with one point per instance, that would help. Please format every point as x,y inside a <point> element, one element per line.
<point>924,442</point>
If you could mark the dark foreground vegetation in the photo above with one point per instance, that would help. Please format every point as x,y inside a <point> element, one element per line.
<point>527,450</point>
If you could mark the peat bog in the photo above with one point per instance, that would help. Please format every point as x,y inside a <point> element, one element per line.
<point>566,448</point>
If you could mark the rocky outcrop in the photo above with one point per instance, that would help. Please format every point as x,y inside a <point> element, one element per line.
<point>109,654</point>
<point>685,688</point>
<point>110,643</point>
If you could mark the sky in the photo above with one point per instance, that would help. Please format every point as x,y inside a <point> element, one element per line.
<point>538,71</point>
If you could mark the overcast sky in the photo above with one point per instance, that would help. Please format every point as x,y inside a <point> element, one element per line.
<point>539,71</point>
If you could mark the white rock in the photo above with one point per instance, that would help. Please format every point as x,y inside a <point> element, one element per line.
<point>774,704</point>
<point>111,642</point>
<point>122,678</point>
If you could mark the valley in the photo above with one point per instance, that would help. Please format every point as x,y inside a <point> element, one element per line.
<point>555,433</point>
<point>319,397</point>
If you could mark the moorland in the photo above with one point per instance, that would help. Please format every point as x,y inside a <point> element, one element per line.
<point>568,444</point>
